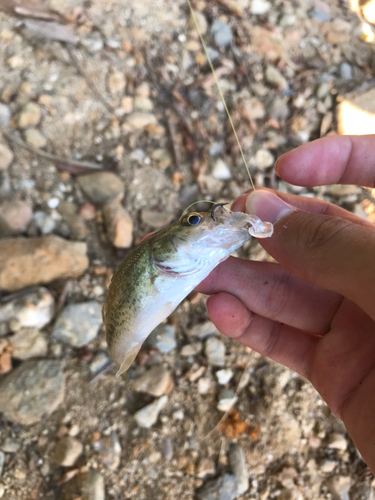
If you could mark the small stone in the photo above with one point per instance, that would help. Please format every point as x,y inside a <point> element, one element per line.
<point>227,399</point>
<point>33,309</point>
<point>73,219</point>
<point>143,90</point>
<point>167,448</point>
<point>206,467</point>
<point>337,442</point>
<point>253,109</point>
<point>163,338</point>
<point>287,477</point>
<point>15,62</point>
<point>67,451</point>
<point>260,7</point>
<point>78,324</point>
<point>279,109</point>
<point>93,486</point>
<point>143,104</point>
<point>224,376</point>
<point>35,138</point>
<point>110,451</point>
<point>274,77</point>
<point>32,261</point>
<point>346,72</point>
<point>87,211</point>
<point>215,351</point>
<point>30,115</point>
<point>339,487</point>
<point>239,468</point>
<point>156,220</point>
<point>14,217</point>
<point>139,120</point>
<point>222,33</point>
<point>201,21</point>
<point>92,45</point>
<point>2,490</point>
<point>327,466</point>
<point>10,446</point>
<point>221,171</point>
<point>6,157</point>
<point>5,115</point>
<point>32,390</point>
<point>157,381</point>
<point>102,187</point>
<point>148,416</point>
<point>222,488</point>
<point>100,361</point>
<point>263,159</point>
<point>204,385</point>
<point>203,330</point>
<point>44,222</point>
<point>191,349</point>
<point>119,224</point>
<point>28,343</point>
<point>116,82</point>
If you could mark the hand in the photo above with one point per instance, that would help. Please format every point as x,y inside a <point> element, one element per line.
<point>314,312</point>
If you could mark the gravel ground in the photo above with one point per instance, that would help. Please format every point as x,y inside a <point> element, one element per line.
<point>110,125</point>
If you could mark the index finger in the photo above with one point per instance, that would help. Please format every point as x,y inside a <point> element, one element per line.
<point>332,160</point>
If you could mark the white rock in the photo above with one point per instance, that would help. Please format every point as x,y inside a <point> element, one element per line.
<point>139,120</point>
<point>224,376</point>
<point>227,399</point>
<point>260,7</point>
<point>221,171</point>
<point>263,159</point>
<point>30,115</point>
<point>35,138</point>
<point>116,82</point>
<point>215,351</point>
<point>337,442</point>
<point>147,416</point>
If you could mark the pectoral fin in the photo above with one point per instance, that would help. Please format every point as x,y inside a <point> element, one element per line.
<point>129,358</point>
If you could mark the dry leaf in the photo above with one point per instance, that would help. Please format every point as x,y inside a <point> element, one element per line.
<point>50,31</point>
<point>30,8</point>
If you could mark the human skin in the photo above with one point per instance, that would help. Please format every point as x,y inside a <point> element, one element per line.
<point>314,311</point>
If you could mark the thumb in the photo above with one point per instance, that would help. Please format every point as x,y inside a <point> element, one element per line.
<point>329,251</point>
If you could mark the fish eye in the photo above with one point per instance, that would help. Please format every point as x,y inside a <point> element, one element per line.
<point>194,219</point>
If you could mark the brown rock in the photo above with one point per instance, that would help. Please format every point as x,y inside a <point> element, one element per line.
<point>31,261</point>
<point>119,224</point>
<point>102,187</point>
<point>30,115</point>
<point>35,138</point>
<point>67,451</point>
<point>157,381</point>
<point>14,217</point>
<point>116,82</point>
<point>6,157</point>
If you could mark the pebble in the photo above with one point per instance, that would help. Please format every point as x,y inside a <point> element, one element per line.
<point>78,324</point>
<point>67,451</point>
<point>279,109</point>
<point>30,115</point>
<point>10,446</point>
<point>93,486</point>
<point>100,361</point>
<point>143,104</point>
<point>33,261</point>
<point>5,115</point>
<point>206,467</point>
<point>346,72</point>
<point>224,376</point>
<point>226,400</point>
<point>238,464</point>
<point>163,338</point>
<point>15,62</point>
<point>215,351</point>
<point>263,159</point>
<point>72,218</point>
<point>327,466</point>
<point>110,451</point>
<point>337,442</point>
<point>191,349</point>
<point>221,488</point>
<point>44,222</point>
<point>35,138</point>
<point>34,389</point>
<point>221,171</point>
<point>14,217</point>
<point>102,187</point>
<point>339,487</point>
<point>119,224</point>
<point>167,448</point>
<point>116,82</point>
<point>204,385</point>
<point>156,220</point>
<point>34,309</point>
<point>274,77</point>
<point>203,330</point>
<point>253,109</point>
<point>6,157</point>
<point>92,45</point>
<point>260,7</point>
<point>157,381</point>
<point>148,416</point>
<point>28,343</point>
<point>222,33</point>
<point>140,120</point>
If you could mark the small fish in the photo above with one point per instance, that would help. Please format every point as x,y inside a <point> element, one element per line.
<point>158,274</point>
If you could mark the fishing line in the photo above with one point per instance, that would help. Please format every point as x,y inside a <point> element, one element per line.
<point>219,88</point>
<point>202,201</point>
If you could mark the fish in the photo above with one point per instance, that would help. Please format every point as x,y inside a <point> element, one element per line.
<point>163,269</point>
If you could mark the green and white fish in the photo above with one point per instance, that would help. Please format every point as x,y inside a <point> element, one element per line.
<point>158,274</point>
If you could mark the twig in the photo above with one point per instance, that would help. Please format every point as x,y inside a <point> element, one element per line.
<point>50,156</point>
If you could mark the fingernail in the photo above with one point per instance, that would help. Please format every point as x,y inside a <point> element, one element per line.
<point>267,206</point>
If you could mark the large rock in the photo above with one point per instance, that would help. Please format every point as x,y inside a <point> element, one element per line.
<point>34,389</point>
<point>78,324</point>
<point>32,261</point>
